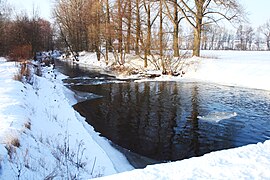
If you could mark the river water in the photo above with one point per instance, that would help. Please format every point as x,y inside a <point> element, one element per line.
<point>168,121</point>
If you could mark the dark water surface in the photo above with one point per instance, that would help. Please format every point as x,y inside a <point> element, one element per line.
<point>160,120</point>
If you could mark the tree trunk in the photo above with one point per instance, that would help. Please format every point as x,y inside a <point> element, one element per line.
<point>148,41</point>
<point>138,27</point>
<point>108,31</point>
<point>268,42</point>
<point>198,30</point>
<point>120,40</point>
<point>176,31</point>
<point>148,37</point>
<point>129,27</point>
<point>98,40</point>
<point>107,46</point>
<point>176,42</point>
<point>161,36</point>
<point>197,42</point>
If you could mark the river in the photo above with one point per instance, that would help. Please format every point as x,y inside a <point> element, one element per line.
<point>154,122</point>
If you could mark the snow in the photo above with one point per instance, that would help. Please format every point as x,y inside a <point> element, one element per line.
<point>217,116</point>
<point>54,140</point>
<point>54,125</point>
<point>250,69</point>
<point>248,162</point>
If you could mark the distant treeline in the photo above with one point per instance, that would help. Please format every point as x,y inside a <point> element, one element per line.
<point>147,28</point>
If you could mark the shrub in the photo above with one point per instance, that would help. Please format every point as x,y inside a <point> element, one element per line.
<point>11,151</point>
<point>24,73</point>
<point>20,53</point>
<point>15,142</point>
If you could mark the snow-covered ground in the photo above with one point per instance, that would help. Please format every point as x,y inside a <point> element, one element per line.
<point>42,136</point>
<point>248,162</point>
<point>249,69</point>
<point>54,140</point>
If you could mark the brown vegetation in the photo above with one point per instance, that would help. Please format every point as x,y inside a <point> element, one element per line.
<point>24,72</point>
<point>21,37</point>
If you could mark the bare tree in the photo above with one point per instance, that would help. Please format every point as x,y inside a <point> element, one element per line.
<point>73,16</point>
<point>161,36</point>
<point>265,29</point>
<point>107,29</point>
<point>138,26</point>
<point>201,12</point>
<point>5,15</point>
<point>245,37</point>
<point>150,20</point>
<point>129,23</point>
<point>175,20</point>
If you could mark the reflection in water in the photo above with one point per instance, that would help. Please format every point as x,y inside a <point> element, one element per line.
<point>160,119</point>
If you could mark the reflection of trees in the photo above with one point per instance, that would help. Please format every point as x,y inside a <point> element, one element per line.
<point>137,116</point>
<point>186,137</point>
<point>158,120</point>
<point>195,143</point>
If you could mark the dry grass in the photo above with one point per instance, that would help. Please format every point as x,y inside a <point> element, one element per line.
<point>12,142</point>
<point>24,72</point>
<point>27,125</point>
<point>15,142</point>
<point>11,151</point>
<point>120,69</point>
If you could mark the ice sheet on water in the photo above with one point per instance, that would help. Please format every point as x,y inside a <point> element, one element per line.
<point>83,96</point>
<point>217,116</point>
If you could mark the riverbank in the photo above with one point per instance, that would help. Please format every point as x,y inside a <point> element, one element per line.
<point>42,136</point>
<point>248,162</point>
<point>230,68</point>
<point>248,69</point>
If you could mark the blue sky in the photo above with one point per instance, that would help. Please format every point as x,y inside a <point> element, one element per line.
<point>43,6</point>
<point>258,9</point>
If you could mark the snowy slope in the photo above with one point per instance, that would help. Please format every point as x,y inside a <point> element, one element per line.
<point>249,162</point>
<point>52,138</point>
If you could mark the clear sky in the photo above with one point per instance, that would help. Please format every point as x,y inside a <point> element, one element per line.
<point>259,10</point>
<point>43,6</point>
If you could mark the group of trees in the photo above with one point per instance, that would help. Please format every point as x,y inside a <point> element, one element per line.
<point>244,37</point>
<point>22,36</point>
<point>144,26</point>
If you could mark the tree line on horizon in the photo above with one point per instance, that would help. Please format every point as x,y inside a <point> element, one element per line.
<point>145,27</point>
<point>21,36</point>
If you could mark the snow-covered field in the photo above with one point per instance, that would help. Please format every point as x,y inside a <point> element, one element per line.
<point>54,141</point>
<point>249,69</point>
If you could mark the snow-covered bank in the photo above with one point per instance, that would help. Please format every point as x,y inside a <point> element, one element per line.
<point>42,136</point>
<point>249,69</point>
<point>248,162</point>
